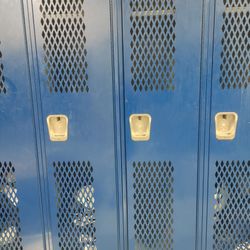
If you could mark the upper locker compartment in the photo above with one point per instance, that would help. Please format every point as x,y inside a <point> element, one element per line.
<point>64,44</point>
<point>75,84</point>
<point>152,45</point>
<point>229,169</point>
<point>162,41</point>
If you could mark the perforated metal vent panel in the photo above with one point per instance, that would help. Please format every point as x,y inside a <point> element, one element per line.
<point>75,203</point>
<point>153,205</point>
<point>2,80</point>
<point>9,213</point>
<point>235,66</point>
<point>232,209</point>
<point>152,44</point>
<point>64,45</point>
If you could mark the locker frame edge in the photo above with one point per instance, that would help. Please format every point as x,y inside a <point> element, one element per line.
<point>31,50</point>
<point>117,27</point>
<point>118,111</point>
<point>207,78</point>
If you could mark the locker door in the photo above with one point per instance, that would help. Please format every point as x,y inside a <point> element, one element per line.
<point>229,160</point>
<point>73,46</point>
<point>21,224</point>
<point>162,41</point>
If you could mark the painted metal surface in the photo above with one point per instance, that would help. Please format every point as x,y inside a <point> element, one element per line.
<point>228,195</point>
<point>89,151</point>
<point>98,62</point>
<point>174,108</point>
<point>20,193</point>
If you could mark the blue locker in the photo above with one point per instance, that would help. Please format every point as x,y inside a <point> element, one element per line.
<point>124,124</point>
<point>70,49</point>
<point>162,57</point>
<point>21,223</point>
<point>228,220</point>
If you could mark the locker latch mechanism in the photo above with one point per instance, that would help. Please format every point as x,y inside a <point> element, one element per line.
<point>226,125</point>
<point>58,127</point>
<point>140,126</point>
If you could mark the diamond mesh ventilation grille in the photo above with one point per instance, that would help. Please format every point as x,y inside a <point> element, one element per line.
<point>75,204</point>
<point>235,66</point>
<point>152,44</point>
<point>9,213</point>
<point>2,80</point>
<point>232,208</point>
<point>64,45</point>
<point>153,205</point>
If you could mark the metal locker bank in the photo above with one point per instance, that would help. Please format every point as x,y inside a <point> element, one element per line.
<point>124,124</point>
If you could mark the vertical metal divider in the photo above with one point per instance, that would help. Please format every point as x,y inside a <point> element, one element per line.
<point>202,125</point>
<point>31,50</point>
<point>205,122</point>
<point>119,119</point>
<point>115,79</point>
